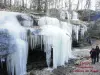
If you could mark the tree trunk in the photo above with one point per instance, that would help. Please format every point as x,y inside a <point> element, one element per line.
<point>69,5</point>
<point>10,3</point>
<point>46,6</point>
<point>5,2</point>
<point>23,3</point>
<point>39,5</point>
<point>77,5</point>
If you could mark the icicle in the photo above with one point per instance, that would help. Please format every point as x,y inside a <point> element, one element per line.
<point>83,29</point>
<point>33,43</point>
<point>68,15</point>
<point>41,41</point>
<point>17,61</point>
<point>59,40</point>
<point>48,54</point>
<point>76,30</point>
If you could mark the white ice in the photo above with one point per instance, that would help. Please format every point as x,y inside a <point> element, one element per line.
<point>48,21</point>
<point>56,35</point>
<point>59,41</point>
<point>16,62</point>
<point>75,16</point>
<point>80,28</point>
<point>76,29</point>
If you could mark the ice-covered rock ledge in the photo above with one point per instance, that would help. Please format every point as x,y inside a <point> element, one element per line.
<point>54,34</point>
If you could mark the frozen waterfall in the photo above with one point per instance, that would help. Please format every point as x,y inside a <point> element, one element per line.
<point>16,61</point>
<point>51,32</point>
<point>56,35</point>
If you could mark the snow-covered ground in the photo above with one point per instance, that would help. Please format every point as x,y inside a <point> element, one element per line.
<point>81,52</point>
<point>85,51</point>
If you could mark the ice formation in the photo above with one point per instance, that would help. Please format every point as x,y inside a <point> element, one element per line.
<point>83,29</point>
<point>79,29</point>
<point>34,38</point>
<point>21,18</point>
<point>16,61</point>
<point>59,41</point>
<point>67,27</point>
<point>68,15</point>
<point>75,16</point>
<point>56,35</point>
<point>48,21</point>
<point>76,29</point>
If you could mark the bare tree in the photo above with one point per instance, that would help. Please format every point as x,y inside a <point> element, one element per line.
<point>5,2</point>
<point>98,5</point>
<point>88,4</point>
<point>39,5</point>
<point>10,2</point>
<point>70,6</point>
<point>46,6</point>
<point>77,5</point>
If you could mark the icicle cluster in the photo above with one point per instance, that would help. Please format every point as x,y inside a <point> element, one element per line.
<point>34,38</point>
<point>76,29</point>
<point>79,29</point>
<point>59,41</point>
<point>16,61</point>
<point>56,35</point>
<point>83,29</point>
